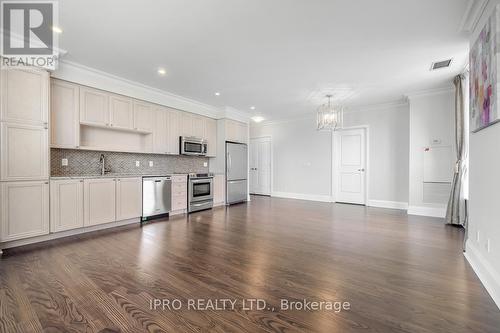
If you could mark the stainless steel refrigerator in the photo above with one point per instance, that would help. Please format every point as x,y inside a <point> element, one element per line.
<point>236,172</point>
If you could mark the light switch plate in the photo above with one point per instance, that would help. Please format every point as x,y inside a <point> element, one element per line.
<point>151,164</point>
<point>64,162</point>
<point>205,164</point>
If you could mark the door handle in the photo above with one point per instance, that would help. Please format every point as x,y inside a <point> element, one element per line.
<point>229,162</point>
<point>362,170</point>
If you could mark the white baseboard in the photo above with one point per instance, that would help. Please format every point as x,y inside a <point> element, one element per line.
<point>388,204</point>
<point>427,211</point>
<point>300,196</point>
<point>484,271</point>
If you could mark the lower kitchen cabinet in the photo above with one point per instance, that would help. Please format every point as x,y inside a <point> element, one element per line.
<point>24,208</point>
<point>99,201</point>
<point>128,198</point>
<point>66,204</point>
<point>179,194</point>
<point>219,190</point>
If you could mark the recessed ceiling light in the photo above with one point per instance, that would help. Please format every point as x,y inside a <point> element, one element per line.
<point>57,30</point>
<point>162,71</point>
<point>257,119</point>
<point>252,108</point>
<point>217,94</point>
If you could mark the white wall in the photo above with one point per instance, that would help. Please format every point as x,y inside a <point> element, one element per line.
<point>302,156</point>
<point>431,118</point>
<point>484,195</point>
<point>388,150</point>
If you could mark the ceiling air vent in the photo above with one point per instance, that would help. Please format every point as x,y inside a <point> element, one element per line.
<point>441,64</point>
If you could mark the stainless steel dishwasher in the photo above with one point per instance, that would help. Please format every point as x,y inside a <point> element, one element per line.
<point>156,196</point>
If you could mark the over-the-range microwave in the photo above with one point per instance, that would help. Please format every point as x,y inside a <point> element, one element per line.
<point>192,146</point>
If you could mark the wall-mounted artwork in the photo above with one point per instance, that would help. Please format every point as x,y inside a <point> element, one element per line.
<point>484,109</point>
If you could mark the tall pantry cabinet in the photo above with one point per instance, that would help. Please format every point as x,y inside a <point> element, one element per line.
<point>24,153</point>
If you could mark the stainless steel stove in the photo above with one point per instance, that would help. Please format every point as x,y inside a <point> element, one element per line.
<point>200,191</point>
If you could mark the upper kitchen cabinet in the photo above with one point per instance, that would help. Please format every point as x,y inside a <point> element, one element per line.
<point>174,126</point>
<point>211,136</point>
<point>186,122</point>
<point>121,112</point>
<point>198,126</point>
<point>161,131</point>
<point>236,131</point>
<point>64,114</point>
<point>24,152</point>
<point>24,96</point>
<point>94,107</point>
<point>143,116</point>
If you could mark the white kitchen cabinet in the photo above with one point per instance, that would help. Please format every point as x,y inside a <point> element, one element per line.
<point>66,204</point>
<point>143,116</point>
<point>121,112</point>
<point>161,131</point>
<point>99,197</point>
<point>128,198</point>
<point>186,122</point>
<point>64,114</point>
<point>25,96</point>
<point>219,190</point>
<point>198,126</point>
<point>236,131</point>
<point>211,136</point>
<point>24,152</point>
<point>174,125</point>
<point>94,107</point>
<point>179,194</point>
<point>24,210</point>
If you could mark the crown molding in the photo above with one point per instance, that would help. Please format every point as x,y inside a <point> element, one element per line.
<point>361,108</point>
<point>235,114</point>
<point>78,73</point>
<point>473,12</point>
<point>378,106</point>
<point>430,92</point>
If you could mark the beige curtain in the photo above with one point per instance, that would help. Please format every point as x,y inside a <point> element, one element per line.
<point>455,212</point>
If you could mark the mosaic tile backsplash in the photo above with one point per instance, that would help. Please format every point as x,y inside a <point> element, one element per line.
<point>84,163</point>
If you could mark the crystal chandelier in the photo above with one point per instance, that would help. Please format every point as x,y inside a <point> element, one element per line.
<point>329,117</point>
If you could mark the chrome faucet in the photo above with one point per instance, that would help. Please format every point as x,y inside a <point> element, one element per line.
<point>102,162</point>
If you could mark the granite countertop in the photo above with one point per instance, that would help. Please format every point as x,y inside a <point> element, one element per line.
<point>111,175</point>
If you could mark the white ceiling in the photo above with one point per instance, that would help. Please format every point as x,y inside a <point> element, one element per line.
<point>280,55</point>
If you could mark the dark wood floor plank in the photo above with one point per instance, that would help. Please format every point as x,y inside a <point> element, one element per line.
<point>401,274</point>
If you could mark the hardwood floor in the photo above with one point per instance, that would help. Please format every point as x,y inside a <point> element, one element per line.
<point>398,273</point>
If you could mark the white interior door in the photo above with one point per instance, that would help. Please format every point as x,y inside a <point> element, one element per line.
<point>350,160</point>
<point>260,166</point>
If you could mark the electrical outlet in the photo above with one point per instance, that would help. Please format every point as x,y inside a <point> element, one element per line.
<point>137,163</point>
<point>205,164</point>
<point>64,162</point>
<point>150,164</point>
